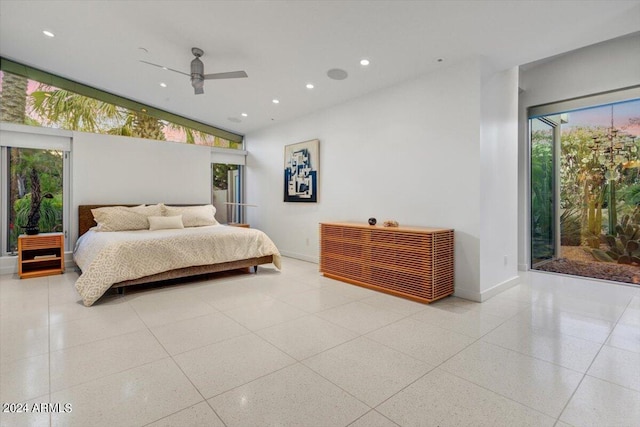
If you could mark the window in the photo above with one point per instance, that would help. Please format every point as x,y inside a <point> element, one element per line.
<point>227,189</point>
<point>227,192</point>
<point>36,167</point>
<point>35,181</point>
<point>59,103</point>
<point>585,186</point>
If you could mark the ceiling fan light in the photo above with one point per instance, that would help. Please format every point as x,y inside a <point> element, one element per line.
<point>198,84</point>
<point>197,67</point>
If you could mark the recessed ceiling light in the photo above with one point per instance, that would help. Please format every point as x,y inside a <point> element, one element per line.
<point>310,86</point>
<point>276,101</point>
<point>48,33</point>
<point>163,84</point>
<point>337,74</point>
<point>364,62</point>
<point>244,114</point>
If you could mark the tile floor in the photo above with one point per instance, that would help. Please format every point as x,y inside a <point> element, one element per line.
<point>293,348</point>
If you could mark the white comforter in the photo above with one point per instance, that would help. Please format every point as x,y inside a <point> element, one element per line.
<point>106,258</point>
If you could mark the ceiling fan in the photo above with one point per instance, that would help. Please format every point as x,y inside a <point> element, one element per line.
<point>197,72</point>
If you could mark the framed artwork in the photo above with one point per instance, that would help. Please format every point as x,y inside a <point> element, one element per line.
<point>301,164</point>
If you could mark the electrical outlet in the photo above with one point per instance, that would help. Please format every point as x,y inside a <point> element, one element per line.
<point>307,241</point>
<point>506,260</point>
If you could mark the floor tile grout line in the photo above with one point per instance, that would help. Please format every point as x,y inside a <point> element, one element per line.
<point>564,408</point>
<point>100,339</point>
<point>370,411</point>
<point>315,354</point>
<point>539,358</point>
<point>613,383</point>
<point>501,395</point>
<point>185,375</point>
<point>439,366</point>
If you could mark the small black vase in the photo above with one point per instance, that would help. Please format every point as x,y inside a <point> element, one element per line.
<point>372,221</point>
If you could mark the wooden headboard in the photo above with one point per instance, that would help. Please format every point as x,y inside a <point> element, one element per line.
<point>85,217</point>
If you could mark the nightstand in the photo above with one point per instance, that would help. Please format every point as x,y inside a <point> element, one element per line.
<point>40,255</point>
<point>238,224</point>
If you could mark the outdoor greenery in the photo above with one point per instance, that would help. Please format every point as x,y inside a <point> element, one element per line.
<point>541,194</point>
<point>48,166</point>
<point>599,186</point>
<point>220,175</point>
<point>595,190</point>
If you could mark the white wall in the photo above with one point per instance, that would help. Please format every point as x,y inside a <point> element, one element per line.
<point>607,66</point>
<point>499,178</point>
<point>410,153</point>
<point>110,169</point>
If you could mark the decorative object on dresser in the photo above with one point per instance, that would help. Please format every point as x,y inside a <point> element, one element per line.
<point>301,164</point>
<point>40,255</point>
<point>372,221</point>
<point>412,262</point>
<point>391,223</point>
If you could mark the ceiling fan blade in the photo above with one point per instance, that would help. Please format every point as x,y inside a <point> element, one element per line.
<point>228,75</point>
<point>164,68</point>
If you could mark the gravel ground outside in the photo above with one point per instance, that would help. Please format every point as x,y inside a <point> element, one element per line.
<point>575,261</point>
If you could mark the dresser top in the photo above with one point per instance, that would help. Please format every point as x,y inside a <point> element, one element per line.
<point>378,227</point>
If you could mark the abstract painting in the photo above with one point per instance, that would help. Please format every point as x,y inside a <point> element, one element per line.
<point>301,163</point>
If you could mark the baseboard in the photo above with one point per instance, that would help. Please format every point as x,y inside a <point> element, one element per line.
<point>523,267</point>
<point>489,293</point>
<point>500,287</point>
<point>301,257</point>
<point>467,294</point>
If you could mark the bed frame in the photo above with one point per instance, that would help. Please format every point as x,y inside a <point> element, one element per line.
<point>85,222</point>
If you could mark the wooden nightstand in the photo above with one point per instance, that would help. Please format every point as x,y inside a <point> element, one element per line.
<point>40,255</point>
<point>238,224</point>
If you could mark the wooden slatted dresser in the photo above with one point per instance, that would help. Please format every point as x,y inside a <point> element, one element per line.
<point>412,262</point>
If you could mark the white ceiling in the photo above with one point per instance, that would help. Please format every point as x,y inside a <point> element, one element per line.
<point>283,45</point>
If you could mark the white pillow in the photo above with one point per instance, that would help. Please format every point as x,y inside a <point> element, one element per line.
<point>122,218</point>
<point>193,216</point>
<point>165,222</point>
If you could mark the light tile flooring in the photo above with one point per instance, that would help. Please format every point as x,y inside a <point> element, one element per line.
<point>293,348</point>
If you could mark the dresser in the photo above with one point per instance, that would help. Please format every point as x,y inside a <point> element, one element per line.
<point>412,262</point>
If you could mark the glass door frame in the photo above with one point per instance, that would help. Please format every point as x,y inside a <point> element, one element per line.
<point>555,123</point>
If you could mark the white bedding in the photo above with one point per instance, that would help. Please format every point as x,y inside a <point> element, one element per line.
<point>106,258</point>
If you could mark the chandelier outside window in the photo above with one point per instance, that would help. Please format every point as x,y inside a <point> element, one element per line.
<point>613,151</point>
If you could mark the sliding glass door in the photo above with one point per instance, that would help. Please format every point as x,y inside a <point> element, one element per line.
<point>544,227</point>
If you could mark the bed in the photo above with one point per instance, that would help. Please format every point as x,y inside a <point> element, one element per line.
<point>124,258</point>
